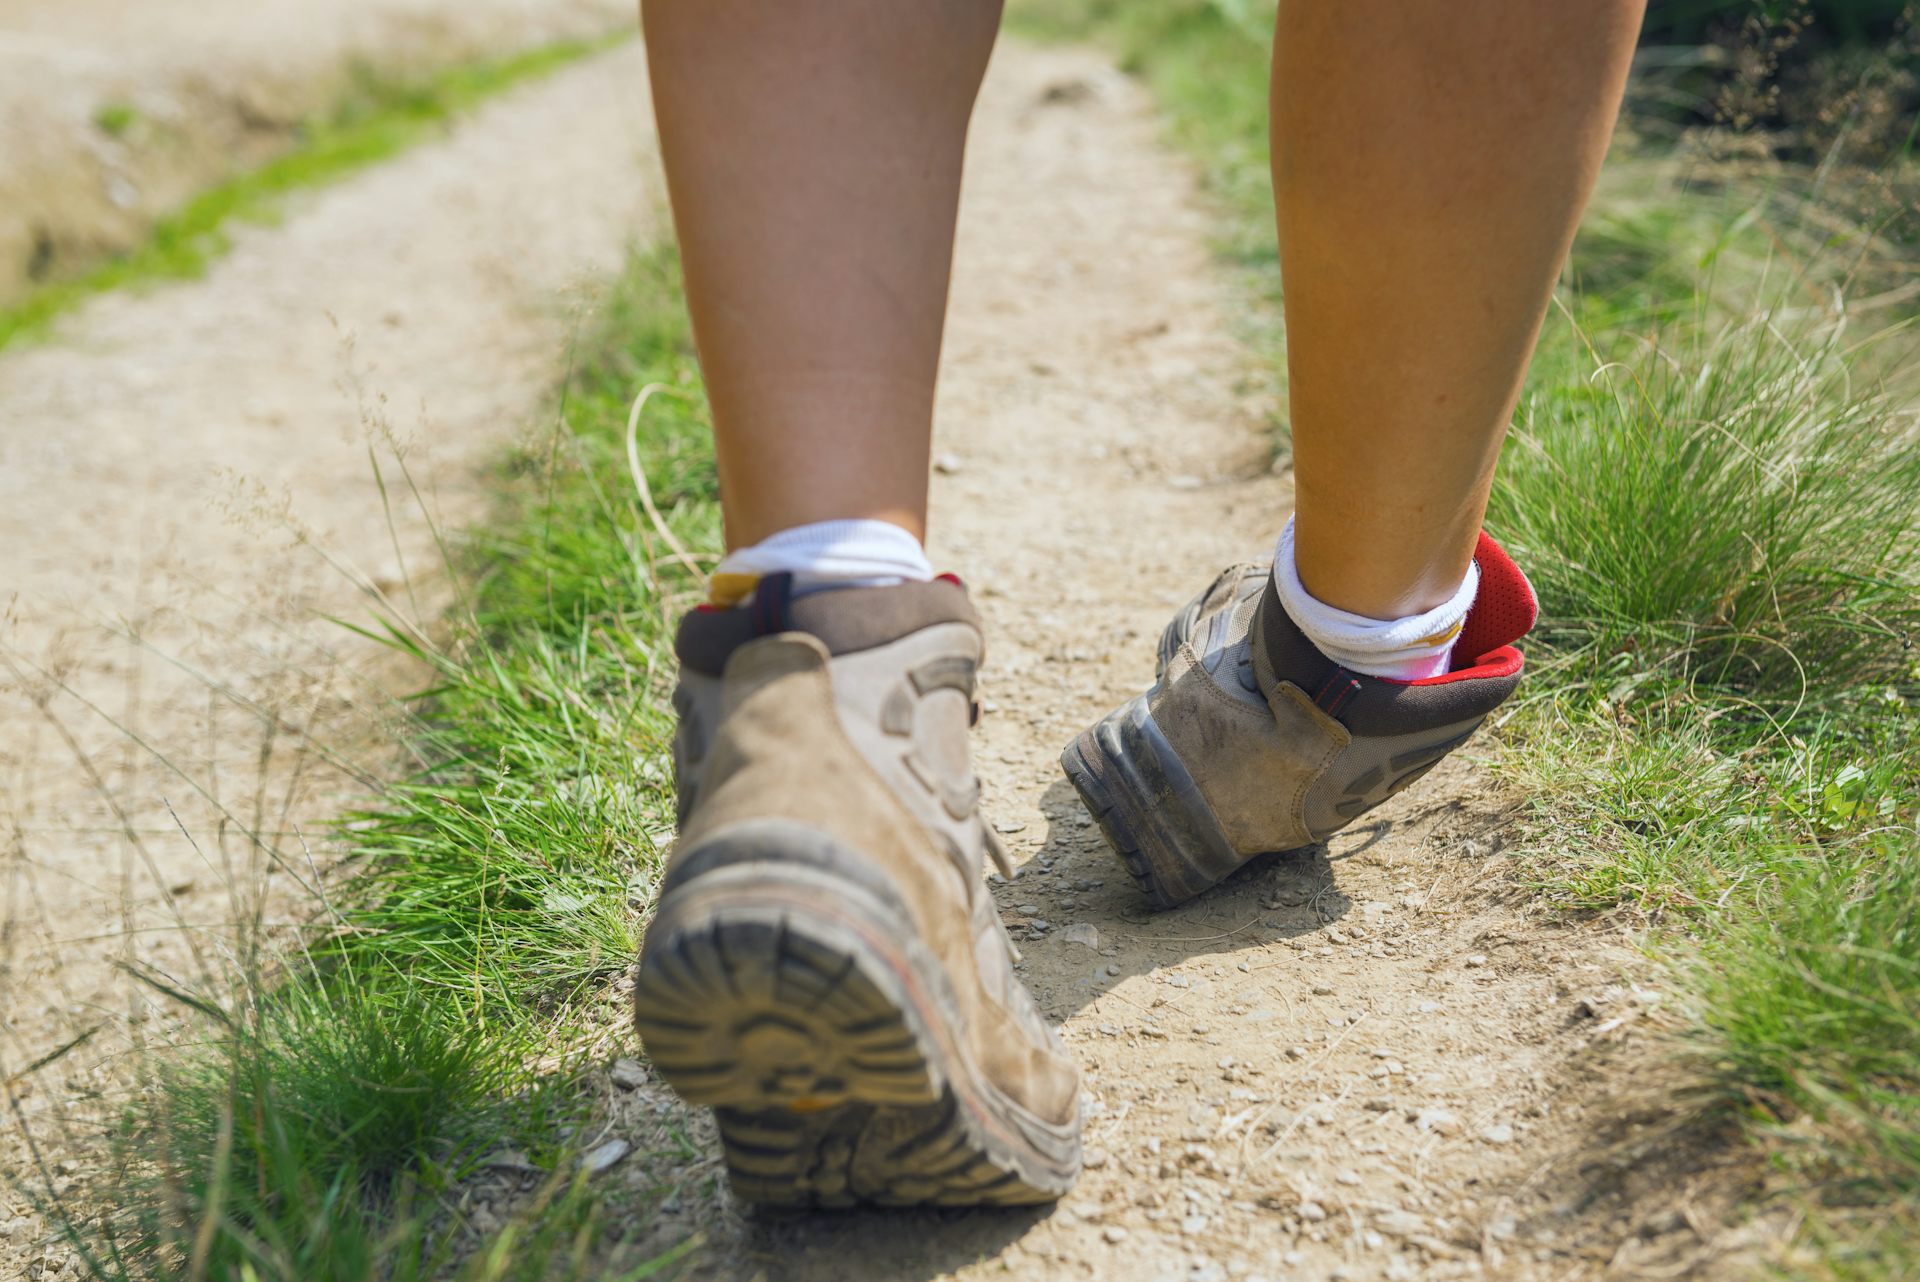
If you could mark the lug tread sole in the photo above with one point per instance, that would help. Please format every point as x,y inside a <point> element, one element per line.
<point>828,1088</point>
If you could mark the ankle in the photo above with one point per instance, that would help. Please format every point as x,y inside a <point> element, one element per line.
<point>1410,647</point>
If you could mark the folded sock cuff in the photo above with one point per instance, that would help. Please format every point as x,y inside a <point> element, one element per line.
<point>1418,645</point>
<point>844,553</point>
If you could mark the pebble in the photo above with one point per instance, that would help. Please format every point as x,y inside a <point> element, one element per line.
<point>603,1157</point>
<point>1082,933</point>
<point>507,1159</point>
<point>1476,960</point>
<point>1499,1133</point>
<point>628,1074</point>
<point>1348,1178</point>
<point>1400,1223</point>
<point>1030,910</point>
<point>1010,826</point>
<point>1438,1120</point>
<point>947,464</point>
<point>1193,1224</point>
<point>1094,1158</point>
<point>1323,990</point>
<point>1296,1052</point>
<point>1114,1234</point>
<point>1311,1212</point>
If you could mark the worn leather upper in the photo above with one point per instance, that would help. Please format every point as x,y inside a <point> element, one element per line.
<point>1286,746</point>
<point>869,747</point>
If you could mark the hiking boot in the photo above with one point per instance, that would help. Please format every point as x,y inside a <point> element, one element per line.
<point>1251,740</point>
<point>826,968</point>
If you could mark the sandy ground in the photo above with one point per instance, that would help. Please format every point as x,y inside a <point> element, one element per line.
<point>203,86</point>
<point>1376,1060</point>
<point>186,490</point>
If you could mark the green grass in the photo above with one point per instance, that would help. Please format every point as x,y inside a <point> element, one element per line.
<point>379,119</point>
<point>442,1006</point>
<point>114,119</point>
<point>1723,505</point>
<point>509,871</point>
<point>1713,487</point>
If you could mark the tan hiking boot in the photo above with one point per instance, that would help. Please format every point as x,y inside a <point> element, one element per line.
<point>1251,740</point>
<point>825,967</point>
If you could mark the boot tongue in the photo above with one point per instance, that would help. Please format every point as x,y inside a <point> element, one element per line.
<point>1502,613</point>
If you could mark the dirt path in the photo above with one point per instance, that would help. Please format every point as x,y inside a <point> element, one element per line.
<point>1349,1064</point>
<point>114,111</point>
<point>191,467</point>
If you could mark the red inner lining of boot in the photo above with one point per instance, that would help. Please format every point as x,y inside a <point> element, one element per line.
<point>1503,611</point>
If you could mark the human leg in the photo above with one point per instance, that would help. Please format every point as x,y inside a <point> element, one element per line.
<point>1430,163</point>
<point>825,966</point>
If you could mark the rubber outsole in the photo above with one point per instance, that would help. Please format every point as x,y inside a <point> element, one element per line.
<point>1148,806</point>
<point>825,1041</point>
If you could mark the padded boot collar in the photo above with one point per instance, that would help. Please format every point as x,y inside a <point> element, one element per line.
<point>844,620</point>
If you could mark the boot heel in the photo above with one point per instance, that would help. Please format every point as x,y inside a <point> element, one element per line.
<point>1148,806</point>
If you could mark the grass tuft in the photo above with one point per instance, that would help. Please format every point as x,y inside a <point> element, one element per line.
<point>442,1008</point>
<point>1730,507</point>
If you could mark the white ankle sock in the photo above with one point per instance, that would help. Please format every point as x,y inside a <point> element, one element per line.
<point>825,554</point>
<point>1420,645</point>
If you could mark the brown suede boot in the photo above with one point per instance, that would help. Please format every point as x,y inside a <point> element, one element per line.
<point>825,967</point>
<point>1251,740</point>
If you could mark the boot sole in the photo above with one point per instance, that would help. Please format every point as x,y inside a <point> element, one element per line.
<point>1148,806</point>
<point>822,1034</point>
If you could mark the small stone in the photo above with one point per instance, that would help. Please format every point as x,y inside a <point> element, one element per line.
<point>180,886</point>
<point>1296,1052</point>
<point>1348,1178</point>
<point>947,464</point>
<point>628,1074</point>
<point>1400,1223</point>
<point>1113,970</point>
<point>1114,1234</point>
<point>1323,990</point>
<point>1499,1133</point>
<point>604,1157</point>
<point>1311,1212</point>
<point>1083,933</point>
<point>1193,1224</point>
<point>1094,1158</point>
<point>1200,1030</point>
<point>1438,1120</point>
<point>1029,910</point>
<point>1010,826</point>
<point>507,1159</point>
<point>1476,960</point>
